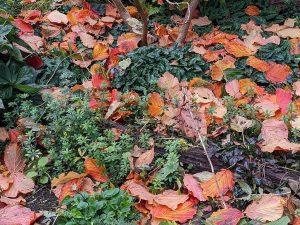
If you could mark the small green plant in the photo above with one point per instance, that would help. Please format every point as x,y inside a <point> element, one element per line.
<point>109,207</point>
<point>39,170</point>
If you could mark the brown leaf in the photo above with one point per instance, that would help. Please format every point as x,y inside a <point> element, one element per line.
<point>64,178</point>
<point>268,208</point>
<point>4,182</point>
<point>13,158</point>
<point>3,134</point>
<point>145,158</point>
<point>240,123</point>
<point>140,191</point>
<point>233,88</point>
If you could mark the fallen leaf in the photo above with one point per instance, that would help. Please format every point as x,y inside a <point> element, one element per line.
<point>13,158</point>
<point>295,45</point>
<point>233,89</point>
<point>20,184</point>
<point>145,158</point>
<point>252,10</point>
<point>128,42</point>
<point>278,73</point>
<point>225,180</point>
<point>155,104</point>
<point>4,182</point>
<point>295,123</point>
<point>296,87</point>
<point>171,199</point>
<point>268,208</point>
<point>100,51</point>
<point>64,178</point>
<point>217,69</point>
<point>22,26</point>
<point>193,186</point>
<point>3,134</point>
<point>240,123</point>
<point>237,49</point>
<point>182,213</point>
<point>140,191</point>
<point>201,21</point>
<point>17,215</point>
<point>13,201</point>
<point>87,40</point>
<point>57,17</point>
<point>95,171</point>
<point>258,64</point>
<point>284,98</point>
<point>167,81</point>
<point>289,33</point>
<point>229,216</point>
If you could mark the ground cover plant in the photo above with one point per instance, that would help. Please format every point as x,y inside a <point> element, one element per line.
<point>150,112</point>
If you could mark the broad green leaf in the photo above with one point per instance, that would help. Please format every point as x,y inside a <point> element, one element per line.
<point>282,221</point>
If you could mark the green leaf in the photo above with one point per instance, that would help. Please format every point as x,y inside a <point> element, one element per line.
<point>44,180</point>
<point>26,88</point>
<point>233,74</point>
<point>43,161</point>
<point>5,92</point>
<point>282,221</point>
<point>245,187</point>
<point>5,29</point>
<point>31,174</point>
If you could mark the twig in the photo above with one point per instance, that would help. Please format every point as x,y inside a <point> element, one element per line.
<point>123,12</point>
<point>144,19</point>
<point>188,17</point>
<point>205,150</point>
<point>178,4</point>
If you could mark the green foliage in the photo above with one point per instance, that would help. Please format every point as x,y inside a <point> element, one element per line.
<point>150,62</point>
<point>71,131</point>
<point>39,170</point>
<point>109,207</point>
<point>170,170</point>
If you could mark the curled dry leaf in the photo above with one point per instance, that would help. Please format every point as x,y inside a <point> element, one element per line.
<point>225,180</point>
<point>230,216</point>
<point>64,178</point>
<point>193,186</point>
<point>95,171</point>
<point>268,208</point>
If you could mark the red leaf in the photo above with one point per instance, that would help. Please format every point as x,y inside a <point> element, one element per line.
<point>22,26</point>
<point>284,98</point>
<point>193,186</point>
<point>100,82</point>
<point>35,61</point>
<point>4,182</point>
<point>128,42</point>
<point>13,159</point>
<point>17,215</point>
<point>95,171</point>
<point>233,88</point>
<point>182,213</point>
<point>228,216</point>
<point>278,73</point>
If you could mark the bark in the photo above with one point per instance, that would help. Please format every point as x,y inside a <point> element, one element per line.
<point>273,174</point>
<point>144,18</point>
<point>188,17</point>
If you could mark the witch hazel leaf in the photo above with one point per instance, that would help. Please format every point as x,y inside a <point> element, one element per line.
<point>268,208</point>
<point>225,182</point>
<point>193,186</point>
<point>182,213</point>
<point>230,216</point>
<point>155,104</point>
<point>170,198</point>
<point>278,73</point>
<point>13,158</point>
<point>17,215</point>
<point>237,49</point>
<point>95,171</point>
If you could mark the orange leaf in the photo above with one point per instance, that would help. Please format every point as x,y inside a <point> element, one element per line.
<point>252,10</point>
<point>182,213</point>
<point>140,191</point>
<point>237,49</point>
<point>225,180</point>
<point>155,104</point>
<point>96,172</point>
<point>284,98</point>
<point>193,186</point>
<point>247,85</point>
<point>170,198</point>
<point>230,216</point>
<point>217,70</point>
<point>268,208</point>
<point>295,45</point>
<point>258,64</point>
<point>100,51</point>
<point>64,178</point>
<point>132,10</point>
<point>128,42</point>
<point>278,73</point>
<point>211,56</point>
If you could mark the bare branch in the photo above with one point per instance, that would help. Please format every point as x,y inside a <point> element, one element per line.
<point>144,18</point>
<point>188,17</point>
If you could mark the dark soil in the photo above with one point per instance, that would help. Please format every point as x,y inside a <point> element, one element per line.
<point>44,201</point>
